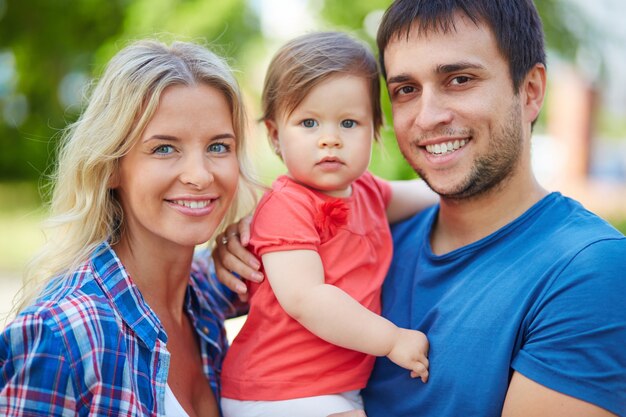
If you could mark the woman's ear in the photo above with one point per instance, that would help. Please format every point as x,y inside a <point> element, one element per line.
<point>272,133</point>
<point>533,92</point>
<point>114,178</point>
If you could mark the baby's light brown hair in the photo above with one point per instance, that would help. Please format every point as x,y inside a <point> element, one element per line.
<point>306,61</point>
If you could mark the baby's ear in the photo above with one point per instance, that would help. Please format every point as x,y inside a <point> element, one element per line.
<point>272,133</point>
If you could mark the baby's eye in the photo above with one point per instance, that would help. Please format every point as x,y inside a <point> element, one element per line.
<point>309,123</point>
<point>219,147</point>
<point>348,124</point>
<point>163,149</point>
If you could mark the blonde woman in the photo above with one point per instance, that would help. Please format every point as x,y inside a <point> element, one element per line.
<point>122,320</point>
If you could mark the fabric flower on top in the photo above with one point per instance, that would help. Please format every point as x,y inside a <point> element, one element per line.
<point>330,216</point>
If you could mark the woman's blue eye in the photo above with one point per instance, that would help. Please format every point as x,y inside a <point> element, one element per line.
<point>348,123</point>
<point>163,149</point>
<point>219,147</point>
<point>309,123</point>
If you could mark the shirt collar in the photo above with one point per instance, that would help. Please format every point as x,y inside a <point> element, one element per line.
<point>205,316</point>
<point>125,296</point>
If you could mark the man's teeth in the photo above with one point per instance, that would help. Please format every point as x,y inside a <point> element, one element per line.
<point>446,147</point>
<point>192,204</point>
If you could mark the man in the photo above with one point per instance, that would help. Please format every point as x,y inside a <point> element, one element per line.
<point>520,291</point>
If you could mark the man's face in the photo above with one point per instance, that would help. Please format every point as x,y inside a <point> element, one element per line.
<point>456,116</point>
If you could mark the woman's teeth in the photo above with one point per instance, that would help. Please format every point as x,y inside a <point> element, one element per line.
<point>192,204</point>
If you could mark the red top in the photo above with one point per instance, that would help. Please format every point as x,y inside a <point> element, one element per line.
<point>274,357</point>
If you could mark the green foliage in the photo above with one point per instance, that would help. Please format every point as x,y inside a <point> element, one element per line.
<point>48,40</point>
<point>44,41</point>
<point>619,224</point>
<point>611,124</point>
<point>559,17</point>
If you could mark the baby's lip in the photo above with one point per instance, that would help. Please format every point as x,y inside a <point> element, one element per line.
<point>330,159</point>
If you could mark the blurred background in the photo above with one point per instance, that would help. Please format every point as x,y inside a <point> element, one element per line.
<point>50,50</point>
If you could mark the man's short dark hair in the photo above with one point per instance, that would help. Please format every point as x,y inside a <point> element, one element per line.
<point>515,24</point>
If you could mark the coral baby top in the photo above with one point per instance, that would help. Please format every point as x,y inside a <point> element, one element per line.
<point>274,357</point>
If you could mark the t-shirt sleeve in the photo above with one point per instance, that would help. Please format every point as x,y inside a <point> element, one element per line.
<point>284,220</point>
<point>384,188</point>
<point>575,339</point>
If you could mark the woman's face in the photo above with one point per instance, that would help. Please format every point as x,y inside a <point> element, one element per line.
<point>177,182</point>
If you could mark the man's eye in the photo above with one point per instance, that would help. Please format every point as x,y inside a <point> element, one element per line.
<point>460,80</point>
<point>309,123</point>
<point>348,124</point>
<point>407,89</point>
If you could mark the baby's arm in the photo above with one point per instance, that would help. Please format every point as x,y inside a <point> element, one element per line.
<point>297,279</point>
<point>407,198</point>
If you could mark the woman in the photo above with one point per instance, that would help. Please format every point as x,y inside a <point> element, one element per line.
<point>122,320</point>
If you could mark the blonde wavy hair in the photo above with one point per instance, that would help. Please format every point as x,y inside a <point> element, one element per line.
<point>84,211</point>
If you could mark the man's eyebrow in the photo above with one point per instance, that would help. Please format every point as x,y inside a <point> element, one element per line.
<point>457,66</point>
<point>402,78</point>
<point>440,69</point>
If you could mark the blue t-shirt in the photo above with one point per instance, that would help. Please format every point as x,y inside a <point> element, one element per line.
<point>544,296</point>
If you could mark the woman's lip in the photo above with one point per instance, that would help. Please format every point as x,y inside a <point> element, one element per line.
<point>191,203</point>
<point>194,208</point>
<point>192,197</point>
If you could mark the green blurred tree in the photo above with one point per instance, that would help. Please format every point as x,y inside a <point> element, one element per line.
<point>44,41</point>
<point>48,47</point>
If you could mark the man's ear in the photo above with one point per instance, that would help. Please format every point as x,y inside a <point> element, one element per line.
<point>533,92</point>
<point>272,133</point>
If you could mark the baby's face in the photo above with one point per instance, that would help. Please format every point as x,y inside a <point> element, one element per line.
<point>326,141</point>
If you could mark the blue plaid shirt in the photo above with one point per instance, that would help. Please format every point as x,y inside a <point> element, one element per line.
<point>93,347</point>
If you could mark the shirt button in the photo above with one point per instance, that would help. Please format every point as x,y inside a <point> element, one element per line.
<point>205,330</point>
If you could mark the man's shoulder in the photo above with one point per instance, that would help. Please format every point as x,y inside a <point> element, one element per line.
<point>573,224</point>
<point>410,228</point>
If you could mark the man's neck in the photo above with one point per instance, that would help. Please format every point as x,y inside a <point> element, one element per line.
<point>462,222</point>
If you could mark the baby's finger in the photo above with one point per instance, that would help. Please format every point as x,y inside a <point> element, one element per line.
<point>243,229</point>
<point>423,377</point>
<point>420,371</point>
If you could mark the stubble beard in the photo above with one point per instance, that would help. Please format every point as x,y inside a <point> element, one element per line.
<point>490,172</point>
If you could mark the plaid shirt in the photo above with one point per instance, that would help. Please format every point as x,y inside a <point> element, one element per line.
<point>93,347</point>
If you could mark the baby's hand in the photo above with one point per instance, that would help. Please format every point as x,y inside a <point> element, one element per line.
<point>410,351</point>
